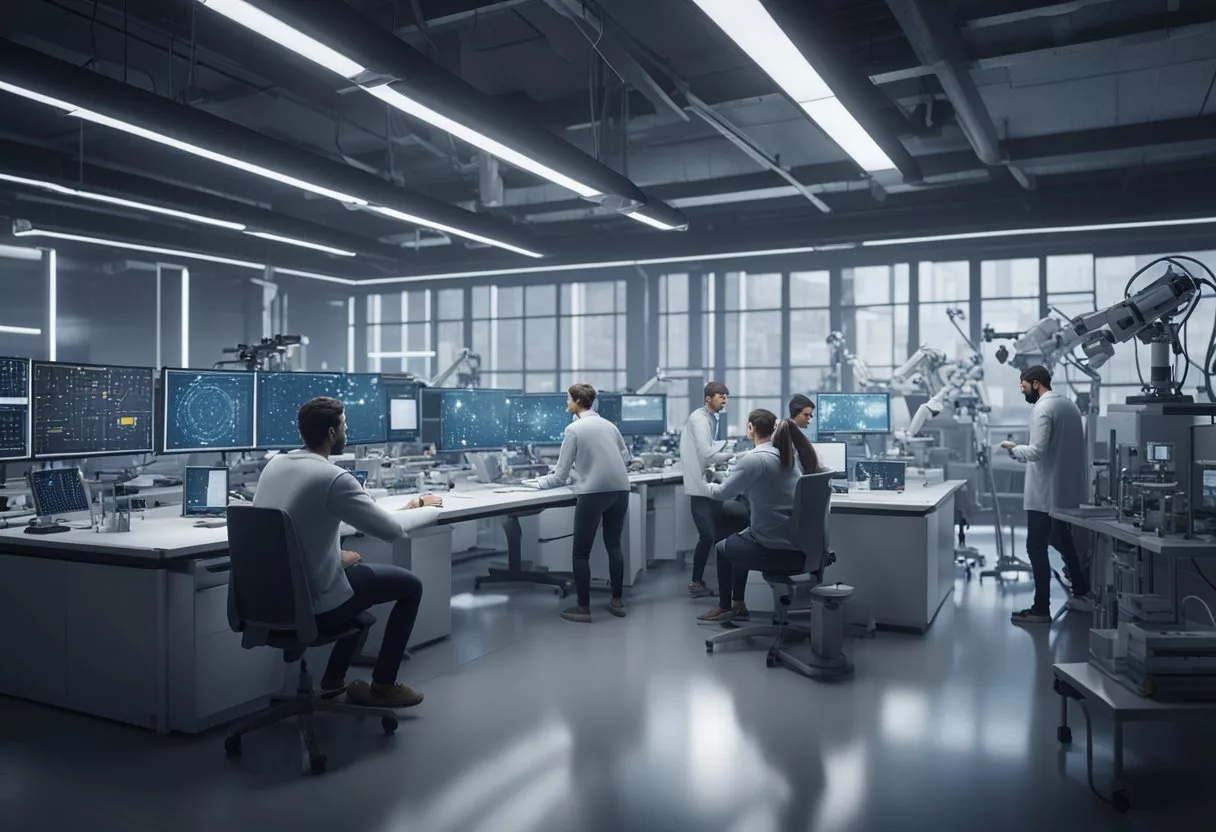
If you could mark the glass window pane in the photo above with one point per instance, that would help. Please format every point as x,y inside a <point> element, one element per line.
<point>540,383</point>
<point>737,410</point>
<point>673,293</point>
<point>809,289</point>
<point>745,383</point>
<point>901,280</point>
<point>542,344</point>
<point>944,281</point>
<point>450,341</point>
<point>510,301</point>
<point>416,305</point>
<point>753,291</point>
<point>602,382</point>
<point>481,301</point>
<point>809,330</point>
<point>673,341</point>
<point>541,300</point>
<point>937,331</point>
<point>807,379</point>
<point>1070,273</point>
<point>451,304</point>
<point>505,381</point>
<point>866,285</point>
<point>587,342</point>
<point>1001,380</point>
<point>1010,278</point>
<point>753,339</point>
<point>507,346</point>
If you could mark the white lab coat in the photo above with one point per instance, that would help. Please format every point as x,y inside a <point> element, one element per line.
<point>1055,458</point>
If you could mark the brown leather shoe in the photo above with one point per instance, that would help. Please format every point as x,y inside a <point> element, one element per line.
<point>397,696</point>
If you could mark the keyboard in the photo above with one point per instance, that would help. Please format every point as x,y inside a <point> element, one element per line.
<point>211,524</point>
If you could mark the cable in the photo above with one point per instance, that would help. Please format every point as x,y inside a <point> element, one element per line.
<point>1203,604</point>
<point>1199,572</point>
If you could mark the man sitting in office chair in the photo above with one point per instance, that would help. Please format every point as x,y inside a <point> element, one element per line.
<point>318,495</point>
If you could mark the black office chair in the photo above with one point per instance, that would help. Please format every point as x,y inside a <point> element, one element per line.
<point>804,590</point>
<point>270,604</point>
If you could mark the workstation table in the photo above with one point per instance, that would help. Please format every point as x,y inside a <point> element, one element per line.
<point>133,626</point>
<point>895,548</point>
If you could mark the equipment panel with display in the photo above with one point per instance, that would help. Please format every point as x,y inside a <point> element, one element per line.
<point>208,411</point>
<point>280,397</point>
<point>205,491</point>
<point>880,475</point>
<point>91,410</point>
<point>643,415</point>
<point>474,420</point>
<point>14,409</point>
<point>833,455</point>
<point>853,413</point>
<point>539,418</point>
<point>1158,452</point>
<point>402,400</point>
<point>57,491</point>
<point>366,409</point>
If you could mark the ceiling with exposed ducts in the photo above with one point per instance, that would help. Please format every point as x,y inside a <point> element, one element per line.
<point>993,114</point>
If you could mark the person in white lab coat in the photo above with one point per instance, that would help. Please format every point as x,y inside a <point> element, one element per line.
<point>1055,479</point>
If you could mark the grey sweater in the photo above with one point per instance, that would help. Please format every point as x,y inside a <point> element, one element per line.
<point>768,490</point>
<point>593,455</point>
<point>318,496</point>
<point>698,450</point>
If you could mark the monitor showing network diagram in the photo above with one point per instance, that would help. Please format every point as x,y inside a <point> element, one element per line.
<point>363,394</point>
<point>91,410</point>
<point>14,409</point>
<point>853,413</point>
<point>208,411</point>
<point>58,491</point>
<point>539,418</point>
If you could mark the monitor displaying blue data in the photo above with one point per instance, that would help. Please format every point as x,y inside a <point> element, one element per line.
<point>83,410</point>
<point>853,413</point>
<point>57,491</point>
<point>880,474</point>
<point>402,396</point>
<point>279,399</point>
<point>539,418</point>
<point>608,405</point>
<point>208,411</point>
<point>643,415</point>
<point>14,409</point>
<point>366,407</point>
<point>205,491</point>
<point>473,420</point>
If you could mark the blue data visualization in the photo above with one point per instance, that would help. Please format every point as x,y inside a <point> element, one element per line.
<point>366,409</point>
<point>57,491</point>
<point>472,420</point>
<point>14,408</point>
<point>853,413</point>
<point>539,418</point>
<point>280,397</point>
<point>881,474</point>
<point>91,410</point>
<point>208,411</point>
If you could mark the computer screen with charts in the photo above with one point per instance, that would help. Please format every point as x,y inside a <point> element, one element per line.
<point>208,411</point>
<point>91,410</point>
<point>643,415</point>
<point>539,418</point>
<point>880,475</point>
<point>853,413</point>
<point>279,399</point>
<point>363,395</point>
<point>401,395</point>
<point>14,409</point>
<point>58,491</point>
<point>205,491</point>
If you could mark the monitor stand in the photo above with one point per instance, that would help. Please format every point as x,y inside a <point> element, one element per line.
<point>46,525</point>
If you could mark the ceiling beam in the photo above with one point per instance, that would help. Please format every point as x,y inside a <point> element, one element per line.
<point>1015,11</point>
<point>442,14</point>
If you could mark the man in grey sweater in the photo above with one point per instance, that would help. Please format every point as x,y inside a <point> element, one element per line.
<point>595,462</point>
<point>318,495</point>
<point>1055,479</point>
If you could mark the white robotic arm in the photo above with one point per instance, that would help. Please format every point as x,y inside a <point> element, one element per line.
<point>923,363</point>
<point>927,411</point>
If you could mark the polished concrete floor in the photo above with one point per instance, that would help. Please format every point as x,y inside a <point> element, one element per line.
<point>534,723</point>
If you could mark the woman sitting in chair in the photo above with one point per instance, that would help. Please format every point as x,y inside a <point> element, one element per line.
<point>765,478</point>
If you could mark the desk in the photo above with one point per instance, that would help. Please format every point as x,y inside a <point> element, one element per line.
<point>1093,689</point>
<point>896,548</point>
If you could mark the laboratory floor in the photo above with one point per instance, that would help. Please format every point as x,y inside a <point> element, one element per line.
<point>534,723</point>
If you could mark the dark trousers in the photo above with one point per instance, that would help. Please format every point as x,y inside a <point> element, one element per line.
<point>611,508</point>
<point>375,583</point>
<point>1042,531</point>
<point>715,520</point>
<point>739,554</point>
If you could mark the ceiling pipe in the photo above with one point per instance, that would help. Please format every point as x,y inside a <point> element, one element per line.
<point>938,45</point>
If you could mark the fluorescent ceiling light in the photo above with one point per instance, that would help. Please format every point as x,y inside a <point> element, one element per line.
<point>35,96</point>
<point>20,253</point>
<point>481,141</point>
<point>20,330</point>
<point>438,226</point>
<point>265,235</point>
<point>169,252</point>
<point>752,28</point>
<point>1063,229</point>
<point>651,221</point>
<point>258,21</point>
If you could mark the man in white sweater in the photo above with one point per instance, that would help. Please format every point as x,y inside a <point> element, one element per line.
<point>318,495</point>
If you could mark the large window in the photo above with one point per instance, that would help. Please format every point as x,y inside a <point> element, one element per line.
<point>593,334</point>
<point>498,335</point>
<point>944,287</point>
<point>874,307</point>
<point>675,347</point>
<point>810,324</point>
<point>752,328</point>
<point>1010,303</point>
<point>399,333</point>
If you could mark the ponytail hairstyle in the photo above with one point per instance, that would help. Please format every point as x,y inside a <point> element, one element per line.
<point>788,440</point>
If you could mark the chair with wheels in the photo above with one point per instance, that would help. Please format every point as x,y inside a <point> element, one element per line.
<point>270,604</point>
<point>803,592</point>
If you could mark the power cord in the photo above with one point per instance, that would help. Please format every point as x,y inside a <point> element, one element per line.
<point>1203,604</point>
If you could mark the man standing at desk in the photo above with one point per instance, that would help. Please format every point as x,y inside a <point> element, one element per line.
<point>700,449</point>
<point>1055,479</point>
<point>318,496</point>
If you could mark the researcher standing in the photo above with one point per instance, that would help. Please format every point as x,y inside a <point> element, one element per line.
<point>595,461</point>
<point>1055,479</point>
<point>700,449</point>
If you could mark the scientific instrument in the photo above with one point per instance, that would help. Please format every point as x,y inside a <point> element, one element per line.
<point>269,354</point>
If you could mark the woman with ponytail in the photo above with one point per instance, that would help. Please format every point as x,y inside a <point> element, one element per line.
<point>765,478</point>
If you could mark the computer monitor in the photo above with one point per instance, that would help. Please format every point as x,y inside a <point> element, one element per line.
<point>539,418</point>
<point>207,411</point>
<point>853,413</point>
<point>361,476</point>
<point>363,395</point>
<point>403,410</point>
<point>58,491</point>
<point>1158,452</point>
<point>608,405</point>
<point>474,420</point>
<point>91,410</point>
<point>14,409</point>
<point>833,455</point>
<point>205,491</point>
<point>280,397</point>
<point>643,415</point>
<point>881,474</point>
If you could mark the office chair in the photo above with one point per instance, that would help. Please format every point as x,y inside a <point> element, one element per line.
<point>804,590</point>
<point>270,604</point>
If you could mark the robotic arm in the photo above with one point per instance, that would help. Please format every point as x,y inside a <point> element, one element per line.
<point>921,369</point>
